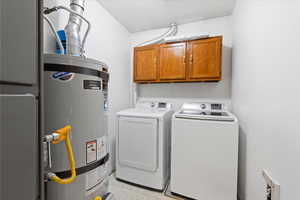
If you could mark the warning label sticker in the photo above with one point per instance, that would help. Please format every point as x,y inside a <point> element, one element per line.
<point>91,151</point>
<point>96,149</point>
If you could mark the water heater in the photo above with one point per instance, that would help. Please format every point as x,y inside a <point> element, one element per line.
<point>75,95</point>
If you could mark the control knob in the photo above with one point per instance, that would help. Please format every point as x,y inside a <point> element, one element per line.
<point>203,106</point>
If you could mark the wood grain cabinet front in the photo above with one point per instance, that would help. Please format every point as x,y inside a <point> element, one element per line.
<point>146,63</point>
<point>189,61</point>
<point>205,59</point>
<point>172,61</point>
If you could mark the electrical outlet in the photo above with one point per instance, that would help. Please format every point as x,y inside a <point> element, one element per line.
<point>272,187</point>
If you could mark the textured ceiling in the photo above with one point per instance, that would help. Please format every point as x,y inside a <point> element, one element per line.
<point>140,15</point>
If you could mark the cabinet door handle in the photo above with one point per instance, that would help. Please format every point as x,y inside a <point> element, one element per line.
<point>191,58</point>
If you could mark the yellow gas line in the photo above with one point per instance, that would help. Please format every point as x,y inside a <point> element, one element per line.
<point>64,135</point>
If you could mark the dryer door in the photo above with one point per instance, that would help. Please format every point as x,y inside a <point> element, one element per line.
<point>138,143</point>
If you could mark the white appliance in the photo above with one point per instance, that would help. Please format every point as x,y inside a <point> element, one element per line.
<point>143,144</point>
<point>204,155</point>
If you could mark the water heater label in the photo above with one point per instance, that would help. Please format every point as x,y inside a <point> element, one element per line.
<point>92,85</point>
<point>62,76</point>
<point>91,151</point>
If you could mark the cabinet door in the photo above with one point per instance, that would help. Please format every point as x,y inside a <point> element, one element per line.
<point>145,63</point>
<point>19,37</point>
<point>205,59</point>
<point>172,61</point>
<point>19,147</point>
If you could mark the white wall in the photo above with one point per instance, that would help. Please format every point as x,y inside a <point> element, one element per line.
<point>180,92</point>
<point>266,98</point>
<point>108,41</point>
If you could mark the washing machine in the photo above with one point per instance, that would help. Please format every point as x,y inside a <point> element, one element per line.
<point>204,155</point>
<point>143,144</point>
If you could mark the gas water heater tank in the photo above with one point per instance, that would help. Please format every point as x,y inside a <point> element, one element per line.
<point>75,94</point>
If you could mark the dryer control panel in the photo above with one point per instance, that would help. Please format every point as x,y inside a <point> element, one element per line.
<point>154,105</point>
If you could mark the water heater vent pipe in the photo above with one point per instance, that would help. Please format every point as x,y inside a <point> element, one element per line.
<point>73,27</point>
<point>74,45</point>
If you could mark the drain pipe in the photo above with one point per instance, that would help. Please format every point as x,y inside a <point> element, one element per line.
<point>171,32</point>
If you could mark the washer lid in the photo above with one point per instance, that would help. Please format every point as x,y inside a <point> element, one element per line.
<point>205,111</point>
<point>140,112</point>
<point>205,115</point>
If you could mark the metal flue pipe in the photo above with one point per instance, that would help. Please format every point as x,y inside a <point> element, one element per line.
<point>73,28</point>
<point>74,45</point>
<point>171,32</point>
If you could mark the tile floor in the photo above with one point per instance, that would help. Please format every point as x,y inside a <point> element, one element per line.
<point>123,191</point>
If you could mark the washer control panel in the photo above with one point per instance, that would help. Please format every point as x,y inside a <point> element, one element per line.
<point>203,106</point>
<point>162,105</point>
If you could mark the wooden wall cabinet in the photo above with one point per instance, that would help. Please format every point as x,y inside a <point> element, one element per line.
<point>146,63</point>
<point>205,59</point>
<point>172,61</point>
<point>191,61</point>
